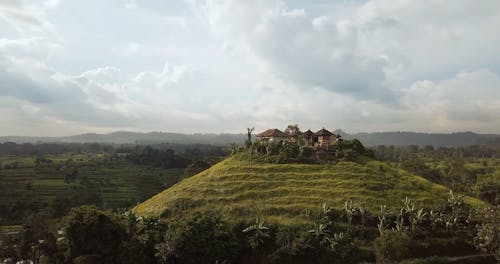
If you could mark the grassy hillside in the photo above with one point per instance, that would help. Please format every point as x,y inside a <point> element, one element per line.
<point>286,192</point>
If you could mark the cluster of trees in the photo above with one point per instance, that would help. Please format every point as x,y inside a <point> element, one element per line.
<point>20,199</point>
<point>449,167</point>
<point>299,150</point>
<point>295,152</point>
<point>158,158</point>
<point>350,235</point>
<point>29,149</point>
<point>10,148</point>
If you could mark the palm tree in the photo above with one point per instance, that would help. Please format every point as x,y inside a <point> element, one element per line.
<point>249,136</point>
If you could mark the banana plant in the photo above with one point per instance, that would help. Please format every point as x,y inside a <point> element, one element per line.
<point>350,210</point>
<point>434,218</point>
<point>400,227</point>
<point>408,205</point>
<point>257,233</point>
<point>382,224</point>
<point>326,212</point>
<point>417,218</point>
<point>320,232</point>
<point>363,214</point>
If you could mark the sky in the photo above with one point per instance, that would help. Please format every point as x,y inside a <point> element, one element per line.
<point>71,67</point>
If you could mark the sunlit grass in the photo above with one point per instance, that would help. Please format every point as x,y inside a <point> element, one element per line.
<point>285,192</point>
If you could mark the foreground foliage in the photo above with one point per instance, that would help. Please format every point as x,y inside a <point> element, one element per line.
<point>348,235</point>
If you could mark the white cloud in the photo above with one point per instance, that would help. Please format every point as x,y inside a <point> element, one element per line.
<point>470,99</point>
<point>362,66</point>
<point>25,19</point>
<point>131,4</point>
<point>51,4</point>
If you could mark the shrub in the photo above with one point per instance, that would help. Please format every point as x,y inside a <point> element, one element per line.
<point>90,231</point>
<point>202,238</point>
<point>392,247</point>
<point>489,191</point>
<point>306,153</point>
<point>487,238</point>
<point>448,246</point>
<point>305,248</point>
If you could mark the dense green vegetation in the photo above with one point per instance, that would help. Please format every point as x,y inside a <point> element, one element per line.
<point>473,170</point>
<point>64,181</point>
<point>111,177</point>
<point>269,205</point>
<point>349,235</point>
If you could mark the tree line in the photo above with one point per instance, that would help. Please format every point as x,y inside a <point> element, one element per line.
<point>448,166</point>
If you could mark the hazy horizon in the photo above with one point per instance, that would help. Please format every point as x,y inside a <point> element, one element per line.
<point>203,66</point>
<point>240,133</point>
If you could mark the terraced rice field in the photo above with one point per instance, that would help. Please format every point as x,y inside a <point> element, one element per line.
<point>121,183</point>
<point>286,192</point>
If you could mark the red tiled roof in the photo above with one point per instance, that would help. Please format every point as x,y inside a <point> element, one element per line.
<point>273,133</point>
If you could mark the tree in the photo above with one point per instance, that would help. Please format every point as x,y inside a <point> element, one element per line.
<point>249,136</point>
<point>489,191</point>
<point>293,130</point>
<point>201,238</point>
<point>144,234</point>
<point>89,231</point>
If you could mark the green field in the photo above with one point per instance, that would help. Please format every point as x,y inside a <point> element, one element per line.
<point>286,192</point>
<point>120,183</point>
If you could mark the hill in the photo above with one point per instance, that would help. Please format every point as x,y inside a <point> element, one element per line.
<point>286,192</point>
<point>124,137</point>
<point>369,139</point>
<point>422,139</point>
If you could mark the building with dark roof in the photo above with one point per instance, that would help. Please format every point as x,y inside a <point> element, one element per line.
<point>323,137</point>
<point>309,137</point>
<point>273,134</point>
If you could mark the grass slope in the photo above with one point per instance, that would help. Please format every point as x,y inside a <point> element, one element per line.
<point>286,192</point>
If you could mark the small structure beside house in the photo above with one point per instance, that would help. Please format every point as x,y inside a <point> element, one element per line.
<point>273,135</point>
<point>309,137</point>
<point>323,137</point>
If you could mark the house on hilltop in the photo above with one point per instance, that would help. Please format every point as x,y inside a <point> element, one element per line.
<point>309,137</point>
<point>274,135</point>
<point>323,137</point>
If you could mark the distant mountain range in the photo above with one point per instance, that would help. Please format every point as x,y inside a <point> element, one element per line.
<point>369,139</point>
<point>124,137</point>
<point>422,139</point>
